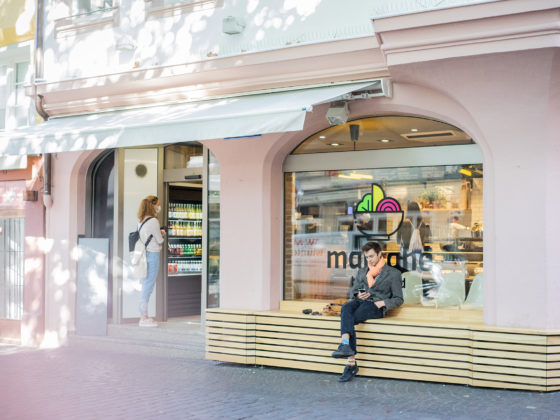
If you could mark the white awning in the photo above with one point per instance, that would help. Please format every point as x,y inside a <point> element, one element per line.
<point>240,116</point>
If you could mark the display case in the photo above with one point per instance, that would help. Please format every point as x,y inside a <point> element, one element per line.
<point>184,232</point>
<point>184,249</point>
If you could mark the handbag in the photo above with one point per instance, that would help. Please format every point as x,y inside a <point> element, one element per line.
<point>415,242</point>
<point>138,261</point>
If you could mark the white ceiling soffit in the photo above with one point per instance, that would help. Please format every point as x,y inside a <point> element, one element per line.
<point>240,116</point>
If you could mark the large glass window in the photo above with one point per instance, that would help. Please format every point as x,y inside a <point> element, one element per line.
<point>12,249</point>
<point>16,109</point>
<point>428,219</point>
<point>213,231</point>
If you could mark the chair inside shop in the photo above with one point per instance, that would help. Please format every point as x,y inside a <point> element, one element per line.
<point>474,298</point>
<point>451,291</point>
<point>412,291</point>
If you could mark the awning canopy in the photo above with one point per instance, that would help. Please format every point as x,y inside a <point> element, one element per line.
<point>240,116</point>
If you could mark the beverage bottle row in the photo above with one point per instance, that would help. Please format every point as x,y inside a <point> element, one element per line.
<point>185,211</point>
<point>184,267</point>
<point>185,249</point>
<point>188,228</point>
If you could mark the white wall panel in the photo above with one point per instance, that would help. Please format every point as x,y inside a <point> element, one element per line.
<point>136,187</point>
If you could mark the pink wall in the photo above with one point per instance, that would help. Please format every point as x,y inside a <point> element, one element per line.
<point>510,99</point>
<point>64,222</point>
<point>30,329</point>
<point>33,318</point>
<point>251,255</point>
<point>513,124</point>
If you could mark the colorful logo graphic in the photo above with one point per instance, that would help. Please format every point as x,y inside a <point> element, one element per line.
<point>377,216</point>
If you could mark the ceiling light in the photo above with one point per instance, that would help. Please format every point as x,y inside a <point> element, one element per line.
<point>338,113</point>
<point>414,129</point>
<point>354,175</point>
<point>384,141</point>
<point>335,144</point>
<point>322,137</point>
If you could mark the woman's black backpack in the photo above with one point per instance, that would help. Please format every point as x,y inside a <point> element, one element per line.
<point>134,237</point>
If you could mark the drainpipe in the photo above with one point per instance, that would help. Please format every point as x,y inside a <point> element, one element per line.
<point>39,28</point>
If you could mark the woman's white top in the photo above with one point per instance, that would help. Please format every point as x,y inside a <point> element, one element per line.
<point>151,227</point>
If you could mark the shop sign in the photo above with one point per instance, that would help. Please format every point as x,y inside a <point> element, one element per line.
<point>377,216</point>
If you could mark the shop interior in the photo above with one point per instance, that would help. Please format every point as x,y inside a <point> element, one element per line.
<point>442,262</point>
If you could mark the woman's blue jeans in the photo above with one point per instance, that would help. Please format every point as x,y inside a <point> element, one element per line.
<point>148,282</point>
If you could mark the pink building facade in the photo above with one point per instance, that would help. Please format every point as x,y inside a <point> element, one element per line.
<point>490,69</point>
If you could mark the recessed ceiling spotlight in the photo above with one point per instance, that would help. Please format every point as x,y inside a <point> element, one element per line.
<point>335,144</point>
<point>414,130</point>
<point>384,141</point>
<point>322,137</point>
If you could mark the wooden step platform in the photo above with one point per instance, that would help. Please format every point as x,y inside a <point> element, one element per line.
<point>415,343</point>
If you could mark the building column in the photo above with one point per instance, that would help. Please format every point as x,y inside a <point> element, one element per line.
<point>250,222</point>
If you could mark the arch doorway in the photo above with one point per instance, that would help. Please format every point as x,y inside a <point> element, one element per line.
<point>99,212</point>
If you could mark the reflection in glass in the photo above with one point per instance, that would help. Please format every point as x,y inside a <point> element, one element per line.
<point>213,232</point>
<point>437,230</point>
<point>179,156</point>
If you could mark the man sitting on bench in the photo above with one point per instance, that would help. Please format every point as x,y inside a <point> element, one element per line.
<point>377,289</point>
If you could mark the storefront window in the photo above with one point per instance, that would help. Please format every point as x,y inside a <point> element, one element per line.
<point>213,232</point>
<point>12,249</point>
<point>428,219</point>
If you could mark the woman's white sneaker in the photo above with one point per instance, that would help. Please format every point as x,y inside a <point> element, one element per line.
<point>147,322</point>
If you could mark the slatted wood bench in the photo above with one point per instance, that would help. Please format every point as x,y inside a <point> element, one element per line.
<point>443,345</point>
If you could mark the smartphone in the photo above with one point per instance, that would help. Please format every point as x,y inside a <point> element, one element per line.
<point>361,290</point>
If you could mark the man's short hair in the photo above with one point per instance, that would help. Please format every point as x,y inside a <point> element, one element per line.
<point>372,245</point>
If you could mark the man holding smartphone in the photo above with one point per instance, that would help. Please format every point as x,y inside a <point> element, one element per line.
<point>376,289</point>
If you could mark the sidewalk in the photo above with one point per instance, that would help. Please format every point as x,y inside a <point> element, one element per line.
<point>96,378</point>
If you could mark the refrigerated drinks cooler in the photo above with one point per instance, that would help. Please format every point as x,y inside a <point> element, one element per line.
<point>184,251</point>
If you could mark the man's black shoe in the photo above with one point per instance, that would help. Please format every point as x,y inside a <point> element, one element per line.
<point>349,373</point>
<point>344,350</point>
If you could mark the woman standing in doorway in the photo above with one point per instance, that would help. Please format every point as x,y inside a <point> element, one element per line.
<point>152,234</point>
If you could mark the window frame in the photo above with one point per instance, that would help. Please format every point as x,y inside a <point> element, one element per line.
<point>11,58</point>
<point>373,159</point>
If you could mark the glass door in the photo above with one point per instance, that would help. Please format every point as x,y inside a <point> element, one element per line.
<point>184,249</point>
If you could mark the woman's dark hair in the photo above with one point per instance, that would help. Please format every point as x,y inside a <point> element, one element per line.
<point>414,214</point>
<point>372,245</point>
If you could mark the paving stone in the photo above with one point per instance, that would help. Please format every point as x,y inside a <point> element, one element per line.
<point>103,379</point>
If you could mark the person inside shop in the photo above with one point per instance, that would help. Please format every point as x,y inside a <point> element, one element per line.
<point>152,234</point>
<point>376,289</point>
<point>456,230</point>
<point>413,236</point>
<point>414,220</point>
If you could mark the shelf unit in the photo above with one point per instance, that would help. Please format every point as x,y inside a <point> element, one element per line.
<point>184,255</point>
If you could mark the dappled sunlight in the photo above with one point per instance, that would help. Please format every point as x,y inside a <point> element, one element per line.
<point>303,8</point>
<point>59,295</point>
<point>29,330</point>
<point>24,22</point>
<point>60,276</point>
<point>51,340</point>
<point>182,35</point>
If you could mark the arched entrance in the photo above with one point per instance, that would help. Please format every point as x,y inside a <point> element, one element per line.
<point>99,211</point>
<point>413,184</point>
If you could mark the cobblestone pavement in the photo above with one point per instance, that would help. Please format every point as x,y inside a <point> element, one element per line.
<point>99,379</point>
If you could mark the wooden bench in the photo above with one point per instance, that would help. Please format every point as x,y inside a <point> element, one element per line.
<point>415,343</point>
